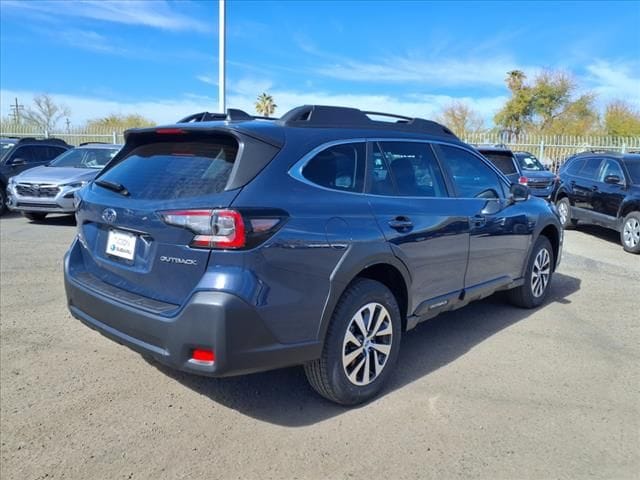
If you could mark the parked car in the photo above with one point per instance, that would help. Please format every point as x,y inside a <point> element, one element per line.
<point>523,168</point>
<point>227,247</point>
<point>20,154</point>
<point>602,188</point>
<point>51,188</point>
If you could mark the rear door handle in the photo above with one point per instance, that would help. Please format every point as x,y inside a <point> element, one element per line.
<point>479,220</point>
<point>401,223</point>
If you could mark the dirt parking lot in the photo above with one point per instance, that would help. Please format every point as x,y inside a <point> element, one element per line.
<point>489,391</point>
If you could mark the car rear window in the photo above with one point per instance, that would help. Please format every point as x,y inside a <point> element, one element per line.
<point>503,161</point>
<point>173,170</point>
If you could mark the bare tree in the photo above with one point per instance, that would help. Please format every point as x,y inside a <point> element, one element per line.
<point>45,112</point>
<point>461,118</point>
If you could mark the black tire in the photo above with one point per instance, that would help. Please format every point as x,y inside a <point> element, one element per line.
<point>328,375</point>
<point>3,200</point>
<point>564,205</point>
<point>526,296</point>
<point>630,226</point>
<point>34,216</point>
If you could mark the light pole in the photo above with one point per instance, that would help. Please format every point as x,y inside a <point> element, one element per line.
<point>221,57</point>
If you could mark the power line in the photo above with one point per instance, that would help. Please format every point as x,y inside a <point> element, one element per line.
<point>16,109</point>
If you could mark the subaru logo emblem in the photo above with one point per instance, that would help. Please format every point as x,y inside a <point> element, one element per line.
<point>36,187</point>
<point>109,215</point>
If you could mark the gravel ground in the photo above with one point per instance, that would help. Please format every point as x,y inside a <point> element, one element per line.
<point>489,391</point>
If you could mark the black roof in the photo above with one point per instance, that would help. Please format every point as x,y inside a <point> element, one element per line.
<point>322,116</point>
<point>25,140</point>
<point>631,155</point>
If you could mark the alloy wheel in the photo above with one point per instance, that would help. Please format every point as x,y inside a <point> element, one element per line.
<point>367,344</point>
<point>540,273</point>
<point>631,232</point>
<point>563,211</point>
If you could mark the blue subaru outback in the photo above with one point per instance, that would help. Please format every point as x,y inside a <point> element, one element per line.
<point>226,246</point>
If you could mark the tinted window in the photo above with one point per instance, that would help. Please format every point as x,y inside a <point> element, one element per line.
<point>85,158</point>
<point>340,167</point>
<point>471,176</point>
<point>503,161</point>
<point>413,169</point>
<point>53,152</point>
<point>590,168</point>
<point>633,167</point>
<point>28,154</point>
<point>574,167</point>
<point>173,170</point>
<point>611,167</point>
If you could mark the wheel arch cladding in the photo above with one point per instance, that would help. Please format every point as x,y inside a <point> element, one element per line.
<point>627,208</point>
<point>393,279</point>
<point>552,233</point>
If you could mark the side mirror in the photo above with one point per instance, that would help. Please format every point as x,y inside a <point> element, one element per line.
<point>16,162</point>
<point>518,193</point>
<point>612,179</point>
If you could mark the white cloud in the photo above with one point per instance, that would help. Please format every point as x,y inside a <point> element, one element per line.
<point>207,79</point>
<point>242,95</point>
<point>615,81</point>
<point>156,14</point>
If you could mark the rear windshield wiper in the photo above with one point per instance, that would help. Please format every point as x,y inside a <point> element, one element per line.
<point>116,187</point>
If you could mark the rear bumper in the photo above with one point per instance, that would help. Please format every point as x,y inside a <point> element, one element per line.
<point>214,320</point>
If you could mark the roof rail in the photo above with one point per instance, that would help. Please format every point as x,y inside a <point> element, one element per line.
<point>232,115</point>
<point>93,143</point>
<point>57,141</point>
<point>327,116</point>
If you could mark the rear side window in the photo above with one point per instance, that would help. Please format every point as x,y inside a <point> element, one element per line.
<point>173,170</point>
<point>503,161</point>
<point>413,168</point>
<point>471,176</point>
<point>591,168</point>
<point>574,167</point>
<point>340,167</point>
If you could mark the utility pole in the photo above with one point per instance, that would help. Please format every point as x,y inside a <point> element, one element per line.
<point>16,109</point>
<point>221,57</point>
<point>68,123</point>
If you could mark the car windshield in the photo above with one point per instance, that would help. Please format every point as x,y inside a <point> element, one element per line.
<point>5,147</point>
<point>633,166</point>
<point>502,160</point>
<point>529,162</point>
<point>85,157</point>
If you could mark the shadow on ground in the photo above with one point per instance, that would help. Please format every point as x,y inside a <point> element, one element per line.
<point>56,221</point>
<point>600,232</point>
<point>285,398</point>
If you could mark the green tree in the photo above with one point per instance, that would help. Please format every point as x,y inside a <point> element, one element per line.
<point>45,113</point>
<point>621,119</point>
<point>516,114</point>
<point>265,105</point>
<point>460,118</point>
<point>549,105</point>
<point>119,123</point>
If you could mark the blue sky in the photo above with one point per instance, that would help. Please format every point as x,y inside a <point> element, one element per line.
<point>159,58</point>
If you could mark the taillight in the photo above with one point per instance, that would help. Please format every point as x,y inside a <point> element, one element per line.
<point>523,180</point>
<point>225,229</point>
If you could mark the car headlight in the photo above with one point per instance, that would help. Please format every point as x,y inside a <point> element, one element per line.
<point>76,184</point>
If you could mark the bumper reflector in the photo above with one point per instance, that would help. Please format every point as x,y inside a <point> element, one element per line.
<point>203,356</point>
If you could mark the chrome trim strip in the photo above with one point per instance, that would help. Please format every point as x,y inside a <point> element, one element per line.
<point>296,170</point>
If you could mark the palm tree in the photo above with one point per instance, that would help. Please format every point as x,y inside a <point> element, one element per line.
<point>265,105</point>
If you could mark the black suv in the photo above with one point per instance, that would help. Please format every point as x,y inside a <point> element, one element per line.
<point>233,246</point>
<point>602,188</point>
<point>521,167</point>
<point>20,154</point>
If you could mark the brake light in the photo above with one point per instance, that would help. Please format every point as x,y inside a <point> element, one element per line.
<point>225,228</point>
<point>523,180</point>
<point>169,131</point>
